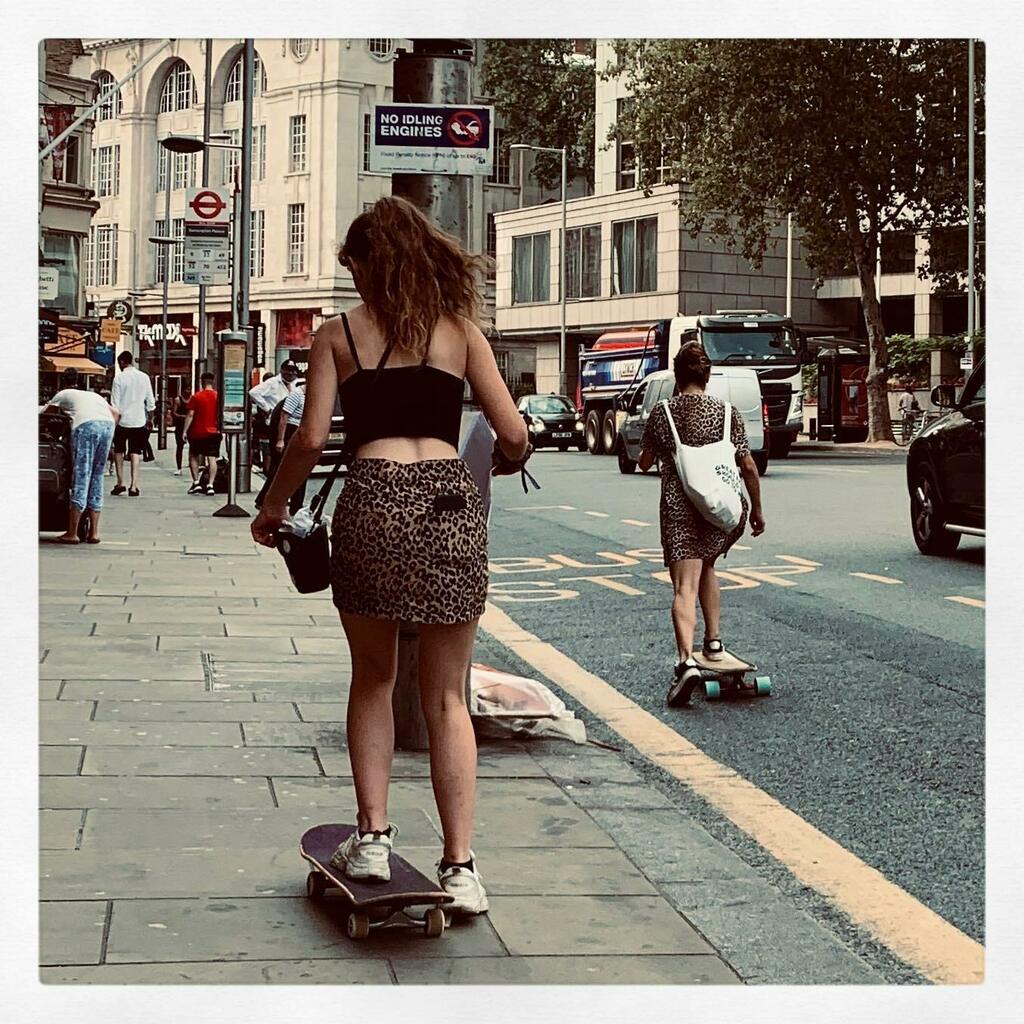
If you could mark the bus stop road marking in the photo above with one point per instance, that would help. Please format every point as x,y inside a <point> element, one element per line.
<point>875,579</point>
<point>913,932</point>
<point>635,522</point>
<point>973,602</point>
<point>597,515</point>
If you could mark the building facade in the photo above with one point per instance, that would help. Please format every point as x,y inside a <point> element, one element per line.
<point>311,178</point>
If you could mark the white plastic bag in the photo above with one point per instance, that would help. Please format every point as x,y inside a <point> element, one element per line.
<point>505,705</point>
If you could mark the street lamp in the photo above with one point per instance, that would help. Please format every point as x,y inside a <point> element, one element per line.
<point>522,147</point>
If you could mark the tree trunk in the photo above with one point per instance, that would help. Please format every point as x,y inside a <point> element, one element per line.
<point>879,421</point>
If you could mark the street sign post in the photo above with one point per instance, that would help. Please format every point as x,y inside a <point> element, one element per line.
<point>207,237</point>
<point>427,138</point>
<point>232,389</point>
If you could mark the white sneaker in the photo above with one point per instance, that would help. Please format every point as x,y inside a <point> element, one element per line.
<point>713,650</point>
<point>466,885</point>
<point>368,856</point>
<point>177,472</point>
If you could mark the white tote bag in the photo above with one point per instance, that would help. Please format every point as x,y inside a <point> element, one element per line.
<point>709,476</point>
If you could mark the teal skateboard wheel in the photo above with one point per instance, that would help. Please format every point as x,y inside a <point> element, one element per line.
<point>763,685</point>
<point>712,690</point>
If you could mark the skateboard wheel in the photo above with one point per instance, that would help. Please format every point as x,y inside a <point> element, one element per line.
<point>433,923</point>
<point>357,926</point>
<point>712,690</point>
<point>763,685</point>
<point>316,885</point>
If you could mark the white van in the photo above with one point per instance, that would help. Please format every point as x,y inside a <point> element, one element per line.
<point>737,385</point>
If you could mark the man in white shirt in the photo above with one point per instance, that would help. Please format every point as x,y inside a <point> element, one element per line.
<point>266,396</point>
<point>288,422</point>
<point>132,396</point>
<point>909,409</point>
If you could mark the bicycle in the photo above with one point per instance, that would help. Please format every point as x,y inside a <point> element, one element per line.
<point>910,428</point>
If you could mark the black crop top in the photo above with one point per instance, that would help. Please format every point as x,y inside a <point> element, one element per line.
<point>400,401</point>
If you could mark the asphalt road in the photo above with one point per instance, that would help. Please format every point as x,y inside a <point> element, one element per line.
<point>874,732</point>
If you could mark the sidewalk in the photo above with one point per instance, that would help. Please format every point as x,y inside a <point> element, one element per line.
<point>192,714</point>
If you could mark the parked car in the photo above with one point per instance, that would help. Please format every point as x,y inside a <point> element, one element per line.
<point>735,384</point>
<point>553,422</point>
<point>946,469</point>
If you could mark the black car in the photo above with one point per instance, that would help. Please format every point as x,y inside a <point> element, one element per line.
<point>946,470</point>
<point>553,422</point>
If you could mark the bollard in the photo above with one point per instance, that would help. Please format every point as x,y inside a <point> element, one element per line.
<point>476,443</point>
<point>813,430</point>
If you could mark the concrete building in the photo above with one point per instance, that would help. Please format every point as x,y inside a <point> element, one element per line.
<point>630,263</point>
<point>311,177</point>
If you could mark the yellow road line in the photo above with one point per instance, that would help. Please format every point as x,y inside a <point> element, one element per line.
<point>972,601</point>
<point>875,579</point>
<point>917,935</point>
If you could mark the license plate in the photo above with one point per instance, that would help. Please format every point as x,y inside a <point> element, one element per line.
<point>557,436</point>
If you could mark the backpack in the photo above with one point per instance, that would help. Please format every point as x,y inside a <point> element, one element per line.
<point>708,475</point>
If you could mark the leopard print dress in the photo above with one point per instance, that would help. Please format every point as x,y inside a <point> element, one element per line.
<point>409,542</point>
<point>699,420</point>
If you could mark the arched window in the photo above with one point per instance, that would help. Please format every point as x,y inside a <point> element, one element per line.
<point>111,107</point>
<point>380,48</point>
<point>301,48</point>
<point>179,91</point>
<point>233,90</point>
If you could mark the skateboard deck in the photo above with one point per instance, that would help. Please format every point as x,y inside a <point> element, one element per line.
<point>724,676</point>
<point>370,903</point>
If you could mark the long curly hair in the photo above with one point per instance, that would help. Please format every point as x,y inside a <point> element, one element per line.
<point>410,272</point>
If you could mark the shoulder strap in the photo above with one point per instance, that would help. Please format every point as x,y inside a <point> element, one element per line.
<point>351,343</point>
<point>671,422</point>
<point>726,433</point>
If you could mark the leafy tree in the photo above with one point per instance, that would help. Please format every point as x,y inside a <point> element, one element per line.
<point>853,136</point>
<point>543,90</point>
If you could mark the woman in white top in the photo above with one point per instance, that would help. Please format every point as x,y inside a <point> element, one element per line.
<point>92,431</point>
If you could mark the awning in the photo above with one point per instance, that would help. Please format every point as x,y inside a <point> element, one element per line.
<point>80,363</point>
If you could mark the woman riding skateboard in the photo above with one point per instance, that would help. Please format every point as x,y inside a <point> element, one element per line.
<point>691,544</point>
<point>409,535</point>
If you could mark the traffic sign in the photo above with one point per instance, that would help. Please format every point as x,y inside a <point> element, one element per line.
<point>207,254</point>
<point>967,362</point>
<point>120,310</point>
<point>425,138</point>
<point>206,206</point>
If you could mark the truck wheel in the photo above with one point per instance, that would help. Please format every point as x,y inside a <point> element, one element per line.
<point>609,431</point>
<point>592,432</point>
<point>761,461</point>
<point>626,464</point>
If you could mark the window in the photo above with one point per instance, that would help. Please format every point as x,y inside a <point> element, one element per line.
<point>106,177</point>
<point>256,243</point>
<point>300,48</point>
<point>297,134</point>
<point>380,48</point>
<point>625,152</point>
<point>296,238</point>
<point>492,241</point>
<point>110,107</point>
<point>502,173</point>
<point>184,170</point>
<point>531,268</point>
<point>233,89</point>
<point>61,250</point>
<point>88,260</point>
<point>178,266</point>
<point>233,157</point>
<point>159,252</point>
<point>367,139</point>
<point>163,160</point>
<point>899,252</point>
<point>73,160</point>
<point>583,262</point>
<point>101,255</point>
<point>179,91</point>
<point>635,256</point>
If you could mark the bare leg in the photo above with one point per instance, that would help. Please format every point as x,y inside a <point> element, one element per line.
<point>94,524</point>
<point>710,594</point>
<point>74,515</point>
<point>371,725</point>
<point>444,655</point>
<point>193,466</point>
<point>685,582</point>
<point>135,461</point>
<point>119,468</point>
<point>211,465</point>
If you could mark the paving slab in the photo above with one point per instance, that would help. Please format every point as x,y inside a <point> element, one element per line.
<point>582,925</point>
<point>232,648</point>
<point>49,689</point>
<point>146,734</point>
<point>205,614</point>
<point>65,710</point>
<point>80,666</point>
<point>327,711</point>
<point>691,969</point>
<point>158,690</point>
<point>51,616</point>
<point>765,937</point>
<point>211,627</point>
<point>59,760</point>
<point>251,972</point>
<point>311,645</point>
<point>302,630</point>
<point>148,792</point>
<point>220,709</point>
<point>229,761</point>
<point>325,694</point>
<point>59,830</point>
<point>413,764</point>
<point>297,734</point>
<point>271,927</point>
<point>71,933</point>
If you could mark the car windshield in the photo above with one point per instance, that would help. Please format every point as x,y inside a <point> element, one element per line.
<point>769,345</point>
<point>550,405</point>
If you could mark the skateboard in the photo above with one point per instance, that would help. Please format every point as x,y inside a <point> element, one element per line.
<point>724,677</point>
<point>371,903</point>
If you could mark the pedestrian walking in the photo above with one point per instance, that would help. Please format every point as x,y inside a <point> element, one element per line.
<point>176,419</point>
<point>92,433</point>
<point>690,543</point>
<point>409,535</point>
<point>267,396</point>
<point>202,428</point>
<point>261,430</point>
<point>132,395</point>
<point>287,423</point>
<point>908,410</point>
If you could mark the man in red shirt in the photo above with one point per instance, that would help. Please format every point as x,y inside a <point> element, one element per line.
<point>203,432</point>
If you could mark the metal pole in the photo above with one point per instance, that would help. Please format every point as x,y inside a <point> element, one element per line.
<point>244,469</point>
<point>161,427</point>
<point>789,264</point>
<point>207,76</point>
<point>562,274</point>
<point>970,196</point>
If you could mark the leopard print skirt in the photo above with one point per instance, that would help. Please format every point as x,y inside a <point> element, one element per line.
<point>409,542</point>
